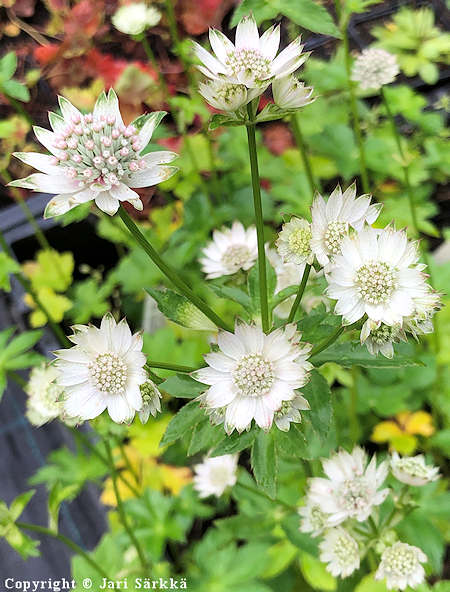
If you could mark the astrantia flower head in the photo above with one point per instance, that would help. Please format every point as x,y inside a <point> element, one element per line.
<point>413,470</point>
<point>215,474</point>
<point>104,369</point>
<point>251,60</point>
<point>227,96</point>
<point>253,374</point>
<point>377,273</point>
<point>95,157</point>
<point>374,68</point>
<point>401,566</point>
<point>44,395</point>
<point>294,242</point>
<point>333,219</point>
<point>352,487</point>
<point>151,400</point>
<point>340,551</point>
<point>230,250</point>
<point>314,520</point>
<point>289,412</point>
<point>425,307</point>
<point>380,338</point>
<point>134,18</point>
<point>289,93</point>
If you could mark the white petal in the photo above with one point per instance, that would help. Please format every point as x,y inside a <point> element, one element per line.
<point>151,176</point>
<point>107,203</point>
<point>145,133</point>
<point>270,42</point>
<point>220,44</point>
<point>247,36</point>
<point>47,183</point>
<point>41,162</point>
<point>231,345</point>
<point>123,193</point>
<point>119,410</point>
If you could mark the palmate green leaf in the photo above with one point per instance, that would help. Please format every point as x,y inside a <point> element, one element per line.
<point>14,355</point>
<point>228,120</point>
<point>233,293</point>
<point>182,386</point>
<point>235,442</point>
<point>302,540</point>
<point>349,355</point>
<point>183,422</point>
<point>318,394</point>
<point>180,310</point>
<point>15,90</point>
<point>22,543</point>
<point>264,462</point>
<point>90,300</point>
<point>205,436</point>
<point>7,267</point>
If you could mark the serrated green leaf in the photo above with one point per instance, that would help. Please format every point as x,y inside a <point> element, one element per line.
<point>182,386</point>
<point>205,436</point>
<point>235,443</point>
<point>183,422</point>
<point>219,120</point>
<point>318,394</point>
<point>349,355</point>
<point>264,462</point>
<point>15,90</point>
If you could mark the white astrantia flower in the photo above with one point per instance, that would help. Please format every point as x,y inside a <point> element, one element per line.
<point>227,96</point>
<point>290,413</point>
<point>214,475</point>
<point>333,219</point>
<point>294,242</point>
<point>94,157</point>
<point>313,519</point>
<point>134,18</point>
<point>103,370</point>
<point>151,400</point>
<point>377,273</point>
<point>289,93</point>
<point>425,307</point>
<point>351,489</point>
<point>44,401</point>
<point>340,551</point>
<point>253,374</point>
<point>374,68</point>
<point>380,338</point>
<point>401,566</point>
<point>230,250</point>
<point>251,60</point>
<point>413,470</point>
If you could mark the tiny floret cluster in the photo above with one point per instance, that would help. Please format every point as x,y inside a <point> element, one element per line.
<point>103,370</point>
<point>44,401</point>
<point>401,566</point>
<point>294,242</point>
<point>253,375</point>
<point>340,551</point>
<point>413,470</point>
<point>134,18</point>
<point>95,157</point>
<point>215,474</point>
<point>374,68</point>
<point>290,93</point>
<point>151,400</point>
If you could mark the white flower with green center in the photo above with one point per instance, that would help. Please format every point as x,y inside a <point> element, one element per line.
<point>313,519</point>
<point>253,374</point>
<point>289,412</point>
<point>333,219</point>
<point>401,566</point>
<point>95,157</point>
<point>377,273</point>
<point>231,250</point>
<point>251,60</point>
<point>351,489</point>
<point>227,96</point>
<point>413,470</point>
<point>44,401</point>
<point>290,94</point>
<point>294,242</point>
<point>421,321</point>
<point>151,400</point>
<point>104,370</point>
<point>340,551</point>
<point>380,338</point>
<point>134,18</point>
<point>374,68</point>
<point>214,475</point>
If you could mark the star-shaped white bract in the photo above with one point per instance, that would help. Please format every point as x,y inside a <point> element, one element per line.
<point>95,157</point>
<point>214,475</point>
<point>252,60</point>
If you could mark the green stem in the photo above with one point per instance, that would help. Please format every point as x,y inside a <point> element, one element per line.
<point>301,289</point>
<point>127,462</point>
<point>298,135</point>
<point>251,135</point>
<point>354,110</point>
<point>121,511</point>
<point>151,57</point>
<point>26,284</point>
<point>68,542</point>
<point>156,379</point>
<point>354,425</point>
<point>170,273</point>
<point>20,110</point>
<point>267,497</point>
<point>168,366</point>
<point>327,341</point>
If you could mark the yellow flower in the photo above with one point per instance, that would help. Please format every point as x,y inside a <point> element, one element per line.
<point>401,432</point>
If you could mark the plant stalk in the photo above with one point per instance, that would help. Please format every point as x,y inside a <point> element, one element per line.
<point>170,273</point>
<point>167,366</point>
<point>301,289</point>
<point>251,135</point>
<point>298,135</point>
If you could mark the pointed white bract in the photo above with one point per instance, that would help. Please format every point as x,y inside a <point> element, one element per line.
<point>351,489</point>
<point>252,60</point>
<point>290,413</point>
<point>401,566</point>
<point>313,519</point>
<point>253,374</point>
<point>214,475</point>
<point>380,338</point>
<point>378,274</point>
<point>294,242</point>
<point>425,307</point>
<point>95,157</point>
<point>103,370</point>
<point>227,96</point>
<point>231,250</point>
<point>151,400</point>
<point>374,68</point>
<point>290,93</point>
<point>332,220</point>
<point>413,470</point>
<point>340,551</point>
<point>44,401</point>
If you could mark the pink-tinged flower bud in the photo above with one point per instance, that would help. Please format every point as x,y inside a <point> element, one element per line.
<point>71,172</point>
<point>113,179</point>
<point>110,119</point>
<point>61,144</point>
<point>106,141</point>
<point>72,143</point>
<point>112,160</point>
<point>97,126</point>
<point>76,118</point>
<point>77,158</point>
<point>137,146</point>
<point>63,156</point>
<point>88,118</point>
<point>133,166</point>
<point>89,144</point>
<point>115,133</point>
<point>97,160</point>
<point>78,129</point>
<point>106,153</point>
<point>142,164</point>
<point>87,173</point>
<point>129,131</point>
<point>124,151</point>
<point>55,160</point>
<point>124,142</point>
